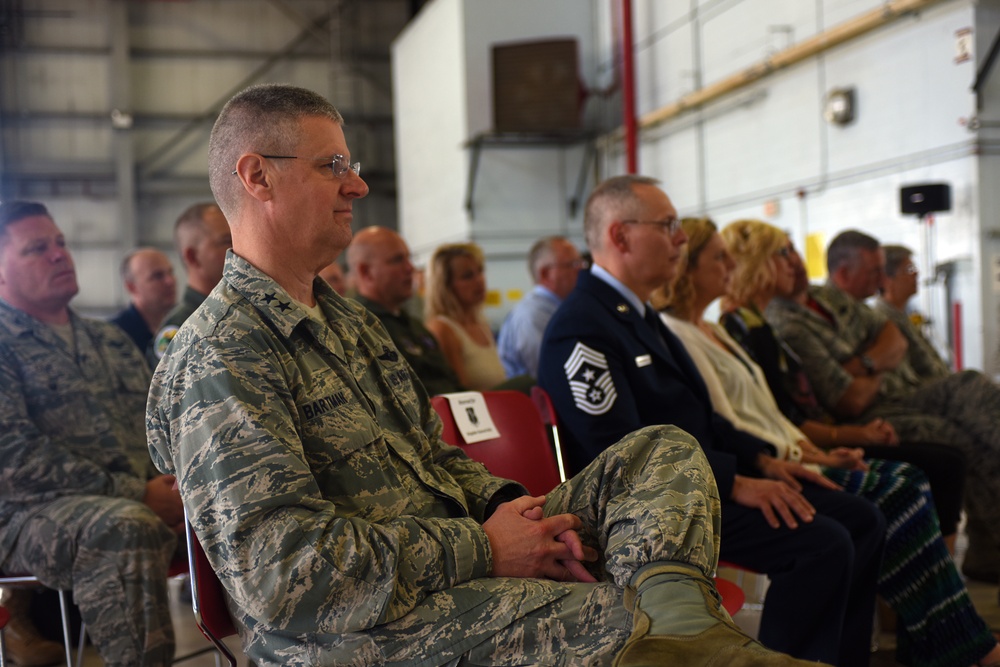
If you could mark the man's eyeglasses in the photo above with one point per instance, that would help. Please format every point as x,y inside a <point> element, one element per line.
<point>574,264</point>
<point>338,163</point>
<point>670,226</point>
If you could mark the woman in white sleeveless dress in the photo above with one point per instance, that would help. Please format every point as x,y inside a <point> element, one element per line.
<point>456,291</point>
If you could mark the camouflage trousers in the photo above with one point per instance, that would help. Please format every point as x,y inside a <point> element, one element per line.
<point>961,411</point>
<point>650,498</point>
<point>113,553</point>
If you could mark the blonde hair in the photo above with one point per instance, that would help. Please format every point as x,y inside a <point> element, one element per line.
<point>439,299</point>
<point>752,245</point>
<point>678,296</point>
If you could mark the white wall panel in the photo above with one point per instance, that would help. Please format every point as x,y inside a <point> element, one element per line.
<point>665,64</point>
<point>773,142</point>
<point>747,32</point>
<point>429,89</point>
<point>911,93</point>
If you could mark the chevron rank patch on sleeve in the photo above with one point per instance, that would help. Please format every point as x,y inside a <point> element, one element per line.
<point>590,380</point>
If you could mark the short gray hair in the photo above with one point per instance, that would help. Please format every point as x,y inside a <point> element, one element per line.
<point>844,247</point>
<point>895,255</point>
<point>262,118</point>
<point>540,253</point>
<point>613,197</point>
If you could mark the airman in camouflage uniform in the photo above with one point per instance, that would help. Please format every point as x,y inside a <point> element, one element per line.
<point>899,284</point>
<point>202,237</point>
<point>73,462</point>
<point>961,410</point>
<point>921,356</point>
<point>344,531</point>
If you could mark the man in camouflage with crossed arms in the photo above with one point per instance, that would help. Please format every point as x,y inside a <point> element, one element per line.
<point>343,529</point>
<point>77,506</point>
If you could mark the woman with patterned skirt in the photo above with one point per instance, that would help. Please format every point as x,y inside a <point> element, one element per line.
<point>938,625</point>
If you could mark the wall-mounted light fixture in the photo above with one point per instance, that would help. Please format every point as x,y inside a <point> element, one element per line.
<point>839,106</point>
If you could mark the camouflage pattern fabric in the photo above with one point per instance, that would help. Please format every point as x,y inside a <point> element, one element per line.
<point>921,355</point>
<point>346,532</point>
<point>190,301</point>
<point>114,554</point>
<point>419,346</point>
<point>961,410</point>
<point>73,468</point>
<point>825,346</point>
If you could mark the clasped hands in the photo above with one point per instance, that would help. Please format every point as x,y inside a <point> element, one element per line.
<point>779,494</point>
<point>526,543</point>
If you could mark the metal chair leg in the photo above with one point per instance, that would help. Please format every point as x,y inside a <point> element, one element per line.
<point>80,645</point>
<point>64,612</point>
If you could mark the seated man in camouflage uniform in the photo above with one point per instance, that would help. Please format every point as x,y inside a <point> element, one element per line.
<point>343,529</point>
<point>77,506</point>
<point>857,362</point>
<point>379,260</point>
<point>202,237</point>
<point>898,285</point>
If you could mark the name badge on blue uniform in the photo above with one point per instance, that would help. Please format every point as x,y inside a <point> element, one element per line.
<point>643,360</point>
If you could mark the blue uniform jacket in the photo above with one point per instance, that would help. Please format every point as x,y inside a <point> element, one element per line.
<point>609,374</point>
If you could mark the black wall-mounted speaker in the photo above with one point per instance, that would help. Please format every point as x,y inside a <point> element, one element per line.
<point>926,198</point>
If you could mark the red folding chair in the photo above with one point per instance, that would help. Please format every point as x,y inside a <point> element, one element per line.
<point>4,617</point>
<point>548,414</point>
<point>208,597</point>
<point>523,452</point>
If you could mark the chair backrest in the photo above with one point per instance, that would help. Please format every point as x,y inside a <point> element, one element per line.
<point>208,597</point>
<point>524,454</point>
<point>521,452</point>
<point>547,411</point>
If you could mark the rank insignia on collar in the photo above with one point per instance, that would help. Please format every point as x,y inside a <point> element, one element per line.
<point>590,380</point>
<point>622,308</point>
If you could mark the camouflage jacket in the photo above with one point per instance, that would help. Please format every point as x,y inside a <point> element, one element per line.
<point>825,345</point>
<point>310,464</point>
<point>190,301</point>
<point>68,425</point>
<point>923,358</point>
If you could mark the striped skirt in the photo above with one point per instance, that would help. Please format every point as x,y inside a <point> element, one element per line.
<point>937,623</point>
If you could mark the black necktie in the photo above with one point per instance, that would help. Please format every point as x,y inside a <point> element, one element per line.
<point>653,320</point>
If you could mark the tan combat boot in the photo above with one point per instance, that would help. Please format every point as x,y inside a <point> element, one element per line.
<point>701,633</point>
<point>25,646</point>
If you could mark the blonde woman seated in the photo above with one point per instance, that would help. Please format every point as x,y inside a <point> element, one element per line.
<point>769,268</point>
<point>456,290</point>
<point>938,625</point>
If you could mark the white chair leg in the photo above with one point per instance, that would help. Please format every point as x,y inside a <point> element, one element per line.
<point>64,611</point>
<point>80,645</point>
